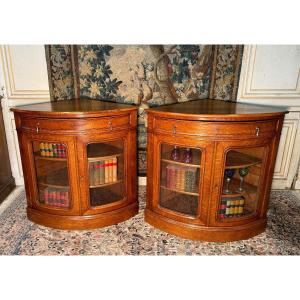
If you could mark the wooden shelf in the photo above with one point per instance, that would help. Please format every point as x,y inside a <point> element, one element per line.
<point>234,184</point>
<point>38,156</point>
<point>183,204</point>
<point>180,163</point>
<point>196,154</point>
<point>237,160</point>
<point>57,179</point>
<point>105,184</point>
<point>92,159</point>
<point>102,151</point>
<point>180,191</point>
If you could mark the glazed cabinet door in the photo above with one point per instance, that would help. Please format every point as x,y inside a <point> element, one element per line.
<point>52,179</point>
<point>242,177</point>
<point>106,166</point>
<point>181,178</point>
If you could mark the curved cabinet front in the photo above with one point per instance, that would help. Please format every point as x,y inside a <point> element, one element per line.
<point>79,173</point>
<point>210,180</point>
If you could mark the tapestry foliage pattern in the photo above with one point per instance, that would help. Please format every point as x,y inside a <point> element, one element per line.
<point>144,75</point>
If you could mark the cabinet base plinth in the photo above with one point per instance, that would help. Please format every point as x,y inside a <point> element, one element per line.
<point>203,233</point>
<point>84,221</point>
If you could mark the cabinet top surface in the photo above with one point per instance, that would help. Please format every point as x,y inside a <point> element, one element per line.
<point>74,108</point>
<point>214,110</point>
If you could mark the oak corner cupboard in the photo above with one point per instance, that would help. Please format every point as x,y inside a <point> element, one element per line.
<point>79,162</point>
<point>210,168</point>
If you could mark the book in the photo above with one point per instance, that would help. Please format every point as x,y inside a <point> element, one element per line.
<point>172,177</point>
<point>94,172</point>
<point>168,169</point>
<point>115,166</point>
<point>50,150</point>
<point>42,149</point>
<point>102,172</point>
<point>110,172</point>
<point>181,178</point>
<point>106,171</point>
<point>231,207</point>
<point>64,151</point>
<point>91,173</point>
<point>54,148</point>
<point>97,172</point>
<point>177,178</point>
<point>56,197</point>
<point>190,180</point>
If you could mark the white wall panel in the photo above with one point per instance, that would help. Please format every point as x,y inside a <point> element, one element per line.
<point>23,80</point>
<point>270,75</point>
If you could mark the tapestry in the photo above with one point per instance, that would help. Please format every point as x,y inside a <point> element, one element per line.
<point>226,72</point>
<point>144,75</point>
<point>61,73</point>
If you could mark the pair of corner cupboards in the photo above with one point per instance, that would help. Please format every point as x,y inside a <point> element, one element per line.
<point>209,174</point>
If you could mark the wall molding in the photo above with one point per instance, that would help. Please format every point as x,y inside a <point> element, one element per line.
<point>12,91</point>
<point>291,96</point>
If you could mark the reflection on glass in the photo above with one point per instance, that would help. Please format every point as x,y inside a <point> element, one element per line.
<point>106,172</point>
<point>52,173</point>
<point>240,188</point>
<point>180,173</point>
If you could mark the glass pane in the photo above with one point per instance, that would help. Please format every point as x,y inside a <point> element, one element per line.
<point>179,179</point>
<point>52,173</point>
<point>106,172</point>
<point>241,181</point>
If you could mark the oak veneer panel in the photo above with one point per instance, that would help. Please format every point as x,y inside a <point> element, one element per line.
<point>249,134</point>
<point>76,124</point>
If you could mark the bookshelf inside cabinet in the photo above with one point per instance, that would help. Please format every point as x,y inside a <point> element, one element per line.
<point>61,143</point>
<point>179,181</point>
<point>106,172</point>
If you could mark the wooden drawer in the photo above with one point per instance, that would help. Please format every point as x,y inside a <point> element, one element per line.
<point>75,125</point>
<point>250,129</point>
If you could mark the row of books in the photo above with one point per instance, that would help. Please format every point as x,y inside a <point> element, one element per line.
<point>103,171</point>
<point>231,207</point>
<point>53,150</point>
<point>56,197</point>
<point>181,178</point>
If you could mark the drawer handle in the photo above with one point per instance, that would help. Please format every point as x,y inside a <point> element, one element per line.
<point>37,129</point>
<point>257,130</point>
<point>110,125</point>
<point>174,129</point>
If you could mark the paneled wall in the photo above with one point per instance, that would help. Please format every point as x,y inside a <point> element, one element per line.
<point>270,75</point>
<point>23,80</point>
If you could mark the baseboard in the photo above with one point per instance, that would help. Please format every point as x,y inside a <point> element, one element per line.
<point>10,198</point>
<point>6,188</point>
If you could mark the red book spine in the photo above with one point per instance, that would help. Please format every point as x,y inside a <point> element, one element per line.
<point>58,196</point>
<point>50,197</point>
<point>172,177</point>
<point>64,154</point>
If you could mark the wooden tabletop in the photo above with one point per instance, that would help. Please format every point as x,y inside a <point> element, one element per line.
<point>209,109</point>
<point>74,108</point>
